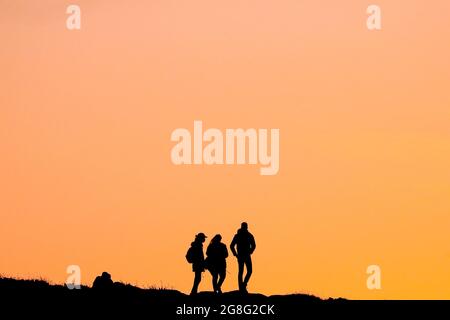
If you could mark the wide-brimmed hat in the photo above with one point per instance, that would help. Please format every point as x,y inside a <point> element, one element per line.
<point>201,235</point>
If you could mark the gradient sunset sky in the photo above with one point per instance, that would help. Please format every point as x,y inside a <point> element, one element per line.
<point>364,118</point>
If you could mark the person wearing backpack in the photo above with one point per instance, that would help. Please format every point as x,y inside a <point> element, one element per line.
<point>195,256</point>
<point>216,263</point>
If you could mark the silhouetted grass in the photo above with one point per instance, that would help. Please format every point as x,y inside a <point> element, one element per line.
<point>38,296</point>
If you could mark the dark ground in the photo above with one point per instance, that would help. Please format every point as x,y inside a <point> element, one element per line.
<point>37,298</point>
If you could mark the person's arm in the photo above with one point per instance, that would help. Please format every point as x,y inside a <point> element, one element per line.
<point>232,246</point>
<point>225,251</point>
<point>252,244</point>
<point>201,255</point>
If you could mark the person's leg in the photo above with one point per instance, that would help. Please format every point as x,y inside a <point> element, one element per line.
<point>197,279</point>
<point>240,273</point>
<point>222,276</point>
<point>215,276</point>
<point>248,265</point>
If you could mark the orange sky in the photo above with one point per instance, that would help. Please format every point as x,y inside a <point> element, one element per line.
<point>86,118</point>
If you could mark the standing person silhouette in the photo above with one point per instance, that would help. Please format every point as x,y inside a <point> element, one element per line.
<point>196,257</point>
<point>245,243</point>
<point>216,255</point>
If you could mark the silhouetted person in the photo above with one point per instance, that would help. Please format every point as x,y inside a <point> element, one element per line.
<point>196,257</point>
<point>216,255</point>
<point>103,282</point>
<point>245,243</point>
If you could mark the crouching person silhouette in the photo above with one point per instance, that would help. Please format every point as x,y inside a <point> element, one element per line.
<point>216,255</point>
<point>103,282</point>
<point>195,256</point>
<point>245,243</point>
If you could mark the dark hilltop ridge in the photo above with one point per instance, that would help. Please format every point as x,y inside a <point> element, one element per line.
<point>39,298</point>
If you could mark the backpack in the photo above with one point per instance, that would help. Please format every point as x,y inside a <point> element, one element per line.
<point>190,255</point>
